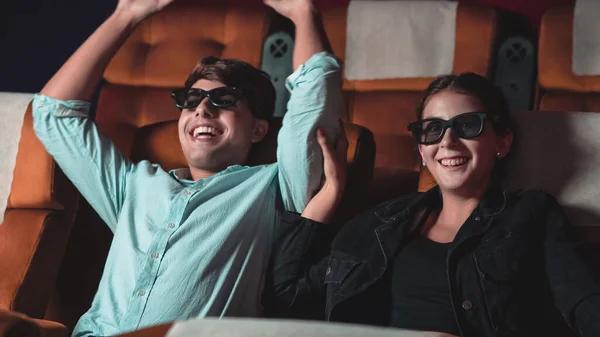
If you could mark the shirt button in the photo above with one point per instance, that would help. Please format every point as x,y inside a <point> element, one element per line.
<point>141,293</point>
<point>171,225</point>
<point>186,192</point>
<point>467,305</point>
<point>477,218</point>
<point>154,255</point>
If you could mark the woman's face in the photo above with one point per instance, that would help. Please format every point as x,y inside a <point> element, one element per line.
<point>462,166</point>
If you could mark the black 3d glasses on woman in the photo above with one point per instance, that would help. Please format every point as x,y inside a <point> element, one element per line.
<point>431,130</point>
<point>189,98</point>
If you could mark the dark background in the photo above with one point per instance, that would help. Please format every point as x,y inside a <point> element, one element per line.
<point>37,36</point>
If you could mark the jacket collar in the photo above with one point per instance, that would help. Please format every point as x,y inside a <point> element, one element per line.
<point>400,208</point>
<point>493,201</point>
<point>397,216</point>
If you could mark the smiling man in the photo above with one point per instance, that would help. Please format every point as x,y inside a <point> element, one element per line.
<point>195,241</point>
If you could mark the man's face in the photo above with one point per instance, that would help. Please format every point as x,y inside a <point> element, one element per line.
<point>214,138</point>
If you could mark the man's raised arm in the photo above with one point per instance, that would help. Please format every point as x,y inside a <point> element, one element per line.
<point>60,111</point>
<point>316,100</point>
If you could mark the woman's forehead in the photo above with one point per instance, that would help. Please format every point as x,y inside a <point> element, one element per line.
<point>447,104</point>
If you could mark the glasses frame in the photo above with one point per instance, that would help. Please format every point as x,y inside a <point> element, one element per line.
<point>207,93</point>
<point>413,127</point>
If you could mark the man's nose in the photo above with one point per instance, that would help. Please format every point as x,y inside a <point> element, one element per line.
<point>206,109</point>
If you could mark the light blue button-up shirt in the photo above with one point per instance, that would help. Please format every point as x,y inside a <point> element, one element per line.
<point>182,248</point>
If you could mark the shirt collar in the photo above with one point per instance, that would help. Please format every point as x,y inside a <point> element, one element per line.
<point>184,176</point>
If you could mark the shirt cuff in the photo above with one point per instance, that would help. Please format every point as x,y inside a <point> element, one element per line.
<point>317,65</point>
<point>60,108</point>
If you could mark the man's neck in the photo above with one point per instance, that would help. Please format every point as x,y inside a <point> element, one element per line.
<point>198,174</point>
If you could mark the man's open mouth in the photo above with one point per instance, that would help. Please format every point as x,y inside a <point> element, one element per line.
<point>205,132</point>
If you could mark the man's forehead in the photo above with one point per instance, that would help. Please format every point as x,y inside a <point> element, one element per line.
<point>205,84</point>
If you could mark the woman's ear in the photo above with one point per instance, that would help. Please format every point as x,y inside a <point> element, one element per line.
<point>261,127</point>
<point>504,144</point>
<point>420,147</point>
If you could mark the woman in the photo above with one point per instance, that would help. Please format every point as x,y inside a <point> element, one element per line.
<point>466,258</point>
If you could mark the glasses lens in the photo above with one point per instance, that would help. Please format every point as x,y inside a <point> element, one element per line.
<point>179,96</point>
<point>224,97</point>
<point>193,97</point>
<point>468,125</point>
<point>431,131</point>
<point>187,98</point>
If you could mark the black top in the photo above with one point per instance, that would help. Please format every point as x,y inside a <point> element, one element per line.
<point>420,292</point>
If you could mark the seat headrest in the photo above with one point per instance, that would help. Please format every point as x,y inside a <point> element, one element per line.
<point>555,54</point>
<point>474,46</point>
<point>163,49</point>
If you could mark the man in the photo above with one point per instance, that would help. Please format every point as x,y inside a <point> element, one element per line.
<point>192,242</point>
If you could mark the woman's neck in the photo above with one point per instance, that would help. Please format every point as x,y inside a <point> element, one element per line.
<point>442,226</point>
<point>456,209</point>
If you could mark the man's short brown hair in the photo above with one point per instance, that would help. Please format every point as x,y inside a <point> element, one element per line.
<point>255,84</point>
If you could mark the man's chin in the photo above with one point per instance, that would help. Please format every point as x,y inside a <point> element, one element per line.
<point>208,163</point>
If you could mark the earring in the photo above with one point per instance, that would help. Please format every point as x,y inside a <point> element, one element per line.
<point>498,154</point>
<point>423,162</point>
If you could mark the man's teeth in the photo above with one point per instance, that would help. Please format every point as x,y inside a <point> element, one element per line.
<point>453,162</point>
<point>206,130</point>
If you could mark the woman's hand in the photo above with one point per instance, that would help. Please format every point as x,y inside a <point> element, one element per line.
<point>323,205</point>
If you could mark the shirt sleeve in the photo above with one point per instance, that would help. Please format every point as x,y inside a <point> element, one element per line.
<point>316,100</point>
<point>88,158</point>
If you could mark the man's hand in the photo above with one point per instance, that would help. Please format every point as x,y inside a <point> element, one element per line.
<point>310,34</point>
<point>138,10</point>
<point>322,206</point>
<point>292,9</point>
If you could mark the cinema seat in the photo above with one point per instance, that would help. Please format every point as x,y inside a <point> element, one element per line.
<point>37,224</point>
<point>14,324</point>
<point>560,89</point>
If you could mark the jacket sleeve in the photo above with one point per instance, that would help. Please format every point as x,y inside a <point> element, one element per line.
<point>295,281</point>
<point>575,287</point>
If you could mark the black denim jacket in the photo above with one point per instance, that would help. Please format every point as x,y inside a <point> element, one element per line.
<point>511,260</point>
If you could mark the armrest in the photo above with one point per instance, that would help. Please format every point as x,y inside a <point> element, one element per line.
<point>13,324</point>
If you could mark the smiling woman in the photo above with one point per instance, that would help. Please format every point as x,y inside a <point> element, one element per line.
<point>466,258</point>
<point>464,131</point>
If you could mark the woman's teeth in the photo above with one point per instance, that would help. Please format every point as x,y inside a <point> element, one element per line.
<point>454,161</point>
